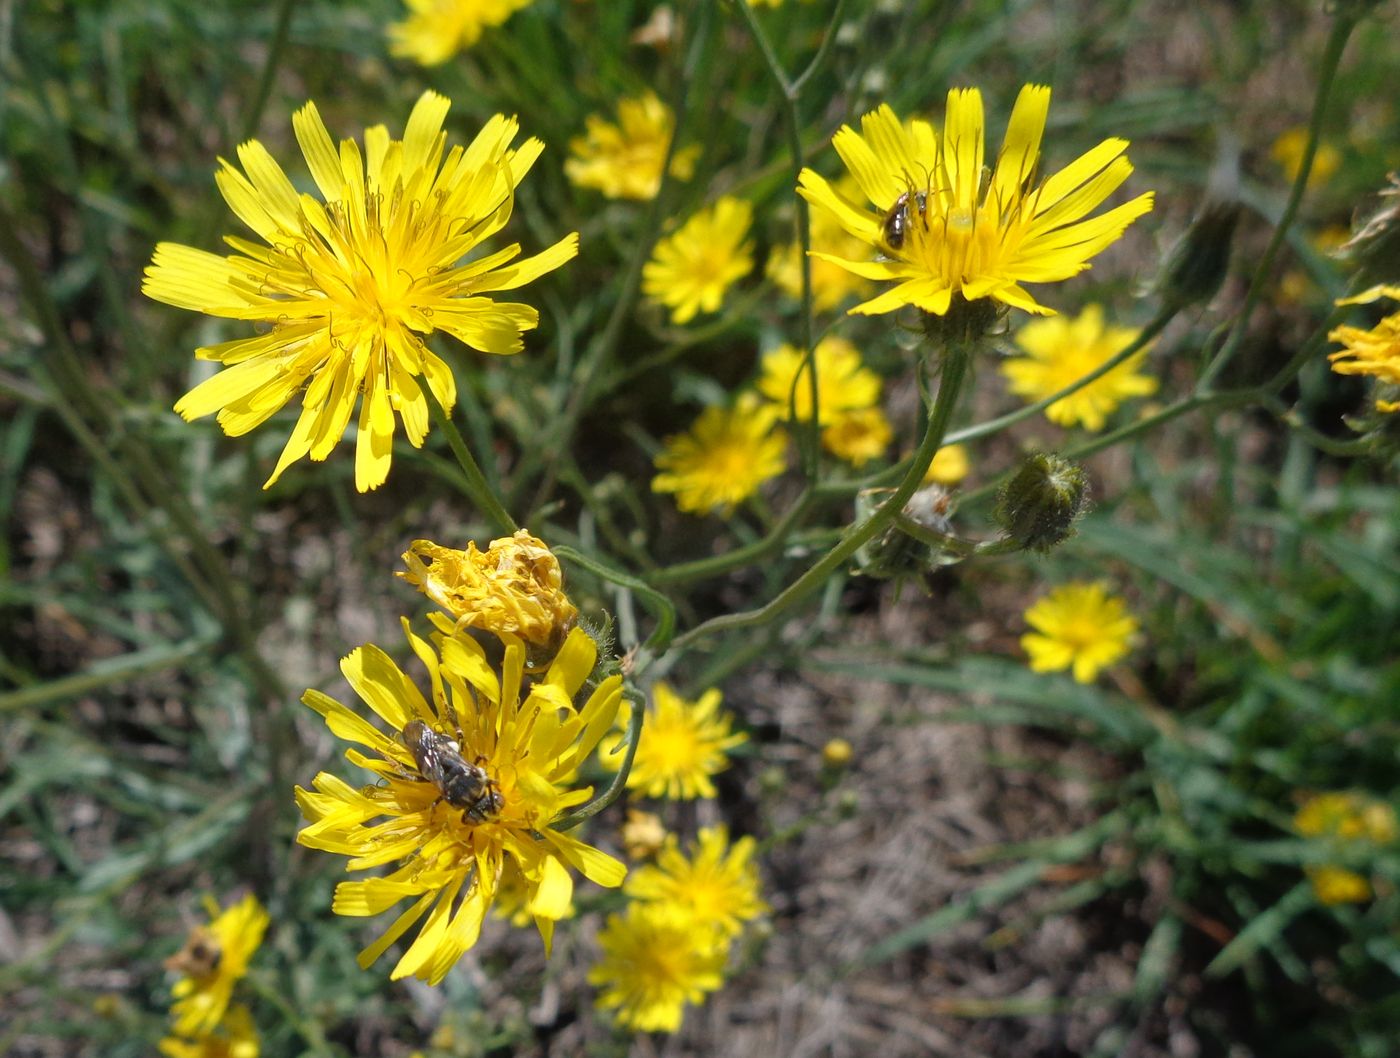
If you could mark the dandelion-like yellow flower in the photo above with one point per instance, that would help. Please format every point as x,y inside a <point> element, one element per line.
<point>1344,818</point>
<point>1288,149</point>
<point>1374,352</point>
<point>831,284</point>
<point>515,586</point>
<point>844,383</point>
<point>1078,626</point>
<point>347,290</point>
<point>625,160</point>
<point>1061,351</point>
<point>453,855</point>
<point>691,269</point>
<point>214,959</point>
<point>683,744</point>
<point>234,1037</point>
<point>654,962</point>
<point>643,834</point>
<point>717,885</point>
<point>858,436</point>
<point>943,229</point>
<point>1337,885</point>
<point>950,465</point>
<point>723,459</point>
<point>436,30</point>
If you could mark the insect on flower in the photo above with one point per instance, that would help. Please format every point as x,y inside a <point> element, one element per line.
<point>898,218</point>
<point>463,785</point>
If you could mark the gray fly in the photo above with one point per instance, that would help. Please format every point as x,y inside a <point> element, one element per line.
<point>462,784</point>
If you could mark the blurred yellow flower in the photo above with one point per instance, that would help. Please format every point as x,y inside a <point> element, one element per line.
<point>1078,626</point>
<point>683,744</point>
<point>1337,885</point>
<point>831,284</point>
<point>943,229</point>
<point>436,30</point>
<point>1287,151</point>
<point>214,958</point>
<point>723,459</point>
<point>691,269</point>
<point>844,383</point>
<point>1374,352</point>
<point>858,436</point>
<point>717,885</point>
<point>515,586</point>
<point>837,753</point>
<point>1061,351</point>
<point>346,291</point>
<point>1344,817</point>
<point>453,856</point>
<point>654,962</point>
<point>625,160</point>
<point>643,834</point>
<point>949,466</point>
<point>234,1037</point>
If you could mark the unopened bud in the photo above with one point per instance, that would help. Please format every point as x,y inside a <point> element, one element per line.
<point>837,753</point>
<point>893,553</point>
<point>1038,506</point>
<point>1200,261</point>
<point>1375,247</point>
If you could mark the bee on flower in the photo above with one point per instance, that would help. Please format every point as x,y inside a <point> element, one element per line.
<point>348,288</point>
<point>625,160</point>
<point>214,959</point>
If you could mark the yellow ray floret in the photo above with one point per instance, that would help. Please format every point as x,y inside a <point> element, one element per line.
<point>437,30</point>
<point>347,288</point>
<point>942,228</point>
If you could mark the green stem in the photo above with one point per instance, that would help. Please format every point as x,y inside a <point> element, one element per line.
<point>619,783</point>
<point>699,569</point>
<point>1331,57</point>
<point>955,365</point>
<point>660,606</point>
<point>269,70</point>
<point>476,487</point>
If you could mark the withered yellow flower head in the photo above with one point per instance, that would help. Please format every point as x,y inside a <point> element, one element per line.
<point>347,289</point>
<point>943,230</point>
<point>513,748</point>
<point>514,587</point>
<point>625,160</point>
<point>214,958</point>
<point>436,30</point>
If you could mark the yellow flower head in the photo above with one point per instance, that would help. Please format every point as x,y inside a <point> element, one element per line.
<point>1375,352</point>
<point>234,1037</point>
<point>515,586</point>
<point>453,855</point>
<point>831,284</point>
<point>1287,151</point>
<point>717,885</point>
<point>691,269</point>
<point>858,436</point>
<point>942,228</point>
<point>1078,626</point>
<point>655,962</point>
<point>625,160</point>
<point>682,745</point>
<point>346,290</point>
<point>949,466</point>
<point>214,958</point>
<point>837,753</point>
<point>643,834</point>
<point>723,459</point>
<point>1061,351</point>
<point>436,30</point>
<point>1344,817</point>
<point>1337,885</point>
<point>843,382</point>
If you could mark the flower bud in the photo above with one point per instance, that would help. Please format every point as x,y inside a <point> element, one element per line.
<point>837,753</point>
<point>893,553</point>
<point>1038,506</point>
<point>1200,261</point>
<point>1375,247</point>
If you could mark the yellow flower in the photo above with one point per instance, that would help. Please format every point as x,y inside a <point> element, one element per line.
<point>949,466</point>
<point>831,284</point>
<point>625,160</point>
<point>1375,352</point>
<point>214,958</point>
<point>515,587</point>
<point>513,898</point>
<point>1078,626</point>
<point>724,458</point>
<point>345,292</point>
<point>844,383</point>
<point>436,30</point>
<point>1337,885</point>
<point>643,834</point>
<point>690,269</point>
<point>837,753</point>
<point>1062,351</point>
<point>858,436</point>
<point>453,856</point>
<point>717,886</point>
<point>1287,151</point>
<point>655,962</point>
<point>957,232</point>
<point>682,745</point>
<point>234,1037</point>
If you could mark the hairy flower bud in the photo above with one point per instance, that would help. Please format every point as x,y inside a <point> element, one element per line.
<point>1038,506</point>
<point>1200,261</point>
<point>1375,247</point>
